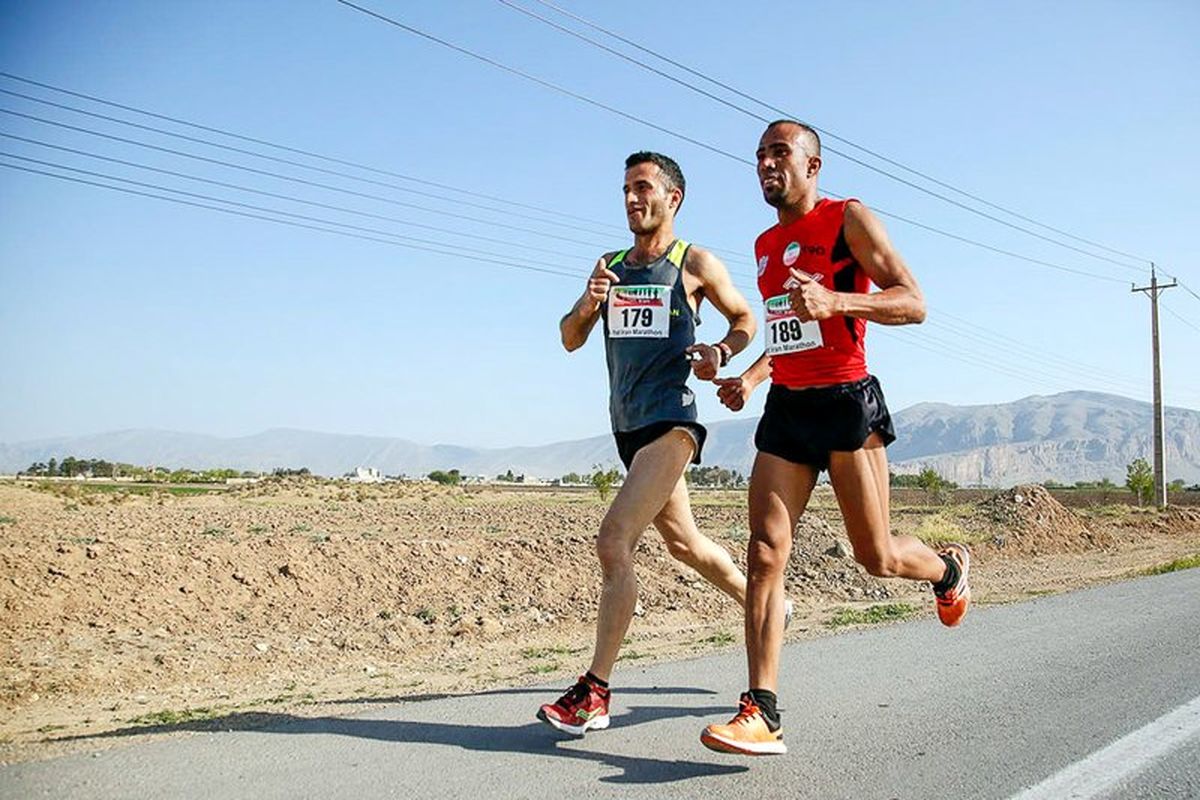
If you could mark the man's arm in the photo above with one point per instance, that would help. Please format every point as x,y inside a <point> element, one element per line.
<point>577,324</point>
<point>714,282</point>
<point>734,392</point>
<point>899,300</point>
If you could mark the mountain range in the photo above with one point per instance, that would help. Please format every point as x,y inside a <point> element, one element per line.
<point>1066,437</point>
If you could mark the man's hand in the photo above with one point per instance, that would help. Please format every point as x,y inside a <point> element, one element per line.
<point>733,392</point>
<point>599,282</point>
<point>810,300</point>
<point>706,360</point>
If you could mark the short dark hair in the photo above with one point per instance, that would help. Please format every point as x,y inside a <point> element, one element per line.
<point>809,130</point>
<point>668,167</point>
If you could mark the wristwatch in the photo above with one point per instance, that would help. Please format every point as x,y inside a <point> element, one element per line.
<point>726,353</point>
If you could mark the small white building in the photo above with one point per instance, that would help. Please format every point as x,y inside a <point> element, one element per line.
<point>366,475</point>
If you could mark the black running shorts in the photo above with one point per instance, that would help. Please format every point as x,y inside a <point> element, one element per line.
<point>804,425</point>
<point>629,442</point>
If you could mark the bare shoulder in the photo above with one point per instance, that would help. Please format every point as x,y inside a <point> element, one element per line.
<point>860,220</point>
<point>703,265</point>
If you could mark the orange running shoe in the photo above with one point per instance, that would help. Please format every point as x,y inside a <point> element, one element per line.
<point>584,707</point>
<point>746,734</point>
<point>952,604</point>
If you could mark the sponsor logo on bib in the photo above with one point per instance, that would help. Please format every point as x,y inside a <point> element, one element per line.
<point>637,296</point>
<point>791,253</point>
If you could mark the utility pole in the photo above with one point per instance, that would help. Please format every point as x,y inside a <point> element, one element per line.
<point>1160,457</point>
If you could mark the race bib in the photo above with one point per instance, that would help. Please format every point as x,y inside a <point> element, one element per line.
<point>639,312</point>
<point>785,332</point>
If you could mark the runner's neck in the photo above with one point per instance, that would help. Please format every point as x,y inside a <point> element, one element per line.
<point>790,214</point>
<point>651,246</point>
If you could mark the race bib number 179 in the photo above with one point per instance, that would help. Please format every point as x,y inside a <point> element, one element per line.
<point>785,332</point>
<point>642,312</point>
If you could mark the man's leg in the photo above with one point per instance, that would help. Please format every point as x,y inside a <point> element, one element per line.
<point>779,491</point>
<point>860,483</point>
<point>653,475</point>
<point>685,543</point>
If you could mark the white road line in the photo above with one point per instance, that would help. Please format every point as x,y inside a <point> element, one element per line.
<point>1126,756</point>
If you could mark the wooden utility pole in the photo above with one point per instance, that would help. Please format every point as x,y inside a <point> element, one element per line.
<point>1160,457</point>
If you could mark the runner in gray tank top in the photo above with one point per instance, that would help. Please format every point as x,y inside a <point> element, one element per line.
<point>647,374</point>
<point>647,297</point>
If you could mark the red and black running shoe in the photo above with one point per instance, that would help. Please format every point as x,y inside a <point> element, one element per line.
<point>584,707</point>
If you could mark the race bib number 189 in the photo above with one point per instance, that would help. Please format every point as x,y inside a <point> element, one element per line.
<point>785,332</point>
<point>642,312</point>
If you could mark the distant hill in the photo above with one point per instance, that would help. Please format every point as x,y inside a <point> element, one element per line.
<point>323,453</point>
<point>1066,437</point>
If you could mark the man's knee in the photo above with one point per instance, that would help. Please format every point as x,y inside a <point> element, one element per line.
<point>614,547</point>
<point>679,550</point>
<point>767,554</point>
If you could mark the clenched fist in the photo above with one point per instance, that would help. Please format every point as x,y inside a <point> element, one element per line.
<point>810,300</point>
<point>706,360</point>
<point>733,392</point>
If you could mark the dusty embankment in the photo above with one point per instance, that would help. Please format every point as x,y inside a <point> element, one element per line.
<point>124,610</point>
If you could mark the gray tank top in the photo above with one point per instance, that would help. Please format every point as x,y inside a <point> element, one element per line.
<point>647,326</point>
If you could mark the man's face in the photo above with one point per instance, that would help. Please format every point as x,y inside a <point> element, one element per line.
<point>648,201</point>
<point>786,170</point>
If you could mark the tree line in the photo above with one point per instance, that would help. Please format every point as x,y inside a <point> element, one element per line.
<point>72,467</point>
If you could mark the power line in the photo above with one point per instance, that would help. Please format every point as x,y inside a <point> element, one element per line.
<point>1043,364</point>
<point>252,207</point>
<point>906,337</point>
<point>1184,286</point>
<point>291,178</point>
<point>969,328</point>
<point>847,156</point>
<point>289,162</point>
<point>1042,370</point>
<point>684,137</point>
<point>244,188</point>
<point>1180,317</point>
<point>729,254</point>
<point>234,212</point>
<point>288,198</point>
<point>240,187</point>
<point>250,189</point>
<point>994,249</point>
<point>370,234</point>
<point>824,131</point>
<point>308,153</point>
<point>547,84</point>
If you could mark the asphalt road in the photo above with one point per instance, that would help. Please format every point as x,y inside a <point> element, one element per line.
<point>1011,702</point>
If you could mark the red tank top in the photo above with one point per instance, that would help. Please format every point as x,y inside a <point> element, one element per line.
<point>815,353</point>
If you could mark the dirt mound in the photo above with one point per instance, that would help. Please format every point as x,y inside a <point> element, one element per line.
<point>1027,519</point>
<point>822,566</point>
<point>1180,519</point>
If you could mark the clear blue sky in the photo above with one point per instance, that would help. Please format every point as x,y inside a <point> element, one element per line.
<point>120,312</point>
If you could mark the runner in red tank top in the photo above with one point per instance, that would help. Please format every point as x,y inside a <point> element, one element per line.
<point>815,245</point>
<point>824,411</point>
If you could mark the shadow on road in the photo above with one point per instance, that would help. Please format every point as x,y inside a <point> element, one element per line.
<point>538,690</point>
<point>533,738</point>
